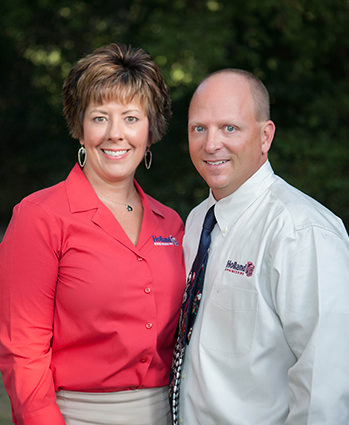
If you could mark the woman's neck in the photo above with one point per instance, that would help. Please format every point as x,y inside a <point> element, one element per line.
<point>116,192</point>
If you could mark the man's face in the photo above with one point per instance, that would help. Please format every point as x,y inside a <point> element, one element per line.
<point>226,143</point>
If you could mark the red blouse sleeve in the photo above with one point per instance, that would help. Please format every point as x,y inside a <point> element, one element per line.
<point>29,257</point>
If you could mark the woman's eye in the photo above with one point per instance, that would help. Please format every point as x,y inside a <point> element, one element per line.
<point>99,119</point>
<point>131,119</point>
<point>229,128</point>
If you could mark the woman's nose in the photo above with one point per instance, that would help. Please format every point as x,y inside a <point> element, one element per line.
<point>115,131</point>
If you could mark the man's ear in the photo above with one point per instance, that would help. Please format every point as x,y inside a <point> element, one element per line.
<point>268,131</point>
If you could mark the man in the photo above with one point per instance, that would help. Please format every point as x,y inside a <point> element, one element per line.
<point>270,344</point>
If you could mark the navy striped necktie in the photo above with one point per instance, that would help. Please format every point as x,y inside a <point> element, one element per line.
<point>190,307</point>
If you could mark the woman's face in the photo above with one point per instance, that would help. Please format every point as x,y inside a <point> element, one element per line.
<point>115,137</point>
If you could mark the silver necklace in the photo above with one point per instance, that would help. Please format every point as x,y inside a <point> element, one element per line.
<point>128,206</point>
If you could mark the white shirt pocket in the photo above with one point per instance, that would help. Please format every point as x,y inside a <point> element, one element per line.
<point>229,320</point>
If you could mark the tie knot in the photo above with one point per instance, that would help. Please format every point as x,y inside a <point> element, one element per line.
<point>210,220</point>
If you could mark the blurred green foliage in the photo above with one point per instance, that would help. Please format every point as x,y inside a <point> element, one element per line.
<point>297,47</point>
<point>5,407</point>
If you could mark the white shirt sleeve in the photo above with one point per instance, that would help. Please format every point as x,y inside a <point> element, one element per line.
<point>311,295</point>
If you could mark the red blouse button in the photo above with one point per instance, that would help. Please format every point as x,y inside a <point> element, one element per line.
<point>143,360</point>
<point>147,290</point>
<point>149,325</point>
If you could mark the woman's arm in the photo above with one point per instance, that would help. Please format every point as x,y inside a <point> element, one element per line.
<point>29,257</point>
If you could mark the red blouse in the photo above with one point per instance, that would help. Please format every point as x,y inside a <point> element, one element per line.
<point>81,307</point>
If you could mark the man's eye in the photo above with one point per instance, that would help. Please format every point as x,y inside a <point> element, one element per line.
<point>131,119</point>
<point>199,128</point>
<point>230,128</point>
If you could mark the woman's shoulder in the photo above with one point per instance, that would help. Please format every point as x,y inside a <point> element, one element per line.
<point>162,209</point>
<point>45,196</point>
<point>47,202</point>
<point>37,212</point>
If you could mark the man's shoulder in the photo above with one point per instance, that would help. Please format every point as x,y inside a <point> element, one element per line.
<point>302,210</point>
<point>197,212</point>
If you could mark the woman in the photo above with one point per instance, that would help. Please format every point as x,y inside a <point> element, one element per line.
<point>91,270</point>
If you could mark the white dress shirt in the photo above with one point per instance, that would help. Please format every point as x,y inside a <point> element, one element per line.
<point>270,345</point>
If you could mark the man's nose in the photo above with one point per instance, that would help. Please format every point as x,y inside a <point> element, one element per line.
<point>212,142</point>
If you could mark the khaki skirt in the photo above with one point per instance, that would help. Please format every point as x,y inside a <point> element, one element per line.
<point>149,406</point>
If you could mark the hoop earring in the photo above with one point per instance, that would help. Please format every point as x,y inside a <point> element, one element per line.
<point>82,156</point>
<point>148,157</point>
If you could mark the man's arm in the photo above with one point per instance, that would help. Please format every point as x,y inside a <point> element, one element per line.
<point>312,297</point>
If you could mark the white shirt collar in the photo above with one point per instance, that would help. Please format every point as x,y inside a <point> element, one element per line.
<point>229,209</point>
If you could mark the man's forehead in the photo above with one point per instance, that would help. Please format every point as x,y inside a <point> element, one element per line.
<point>219,89</point>
<point>224,79</point>
<point>220,105</point>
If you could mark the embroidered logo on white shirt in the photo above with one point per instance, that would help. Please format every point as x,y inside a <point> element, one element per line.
<point>242,269</point>
<point>161,240</point>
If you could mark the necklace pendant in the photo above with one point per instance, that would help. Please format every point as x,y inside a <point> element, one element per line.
<point>129,208</point>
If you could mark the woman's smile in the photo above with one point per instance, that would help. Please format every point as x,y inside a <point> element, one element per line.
<point>115,154</point>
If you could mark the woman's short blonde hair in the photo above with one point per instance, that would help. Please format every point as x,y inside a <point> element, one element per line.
<point>121,73</point>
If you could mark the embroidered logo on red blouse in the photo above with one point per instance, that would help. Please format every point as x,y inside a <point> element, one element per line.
<point>243,269</point>
<point>163,241</point>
